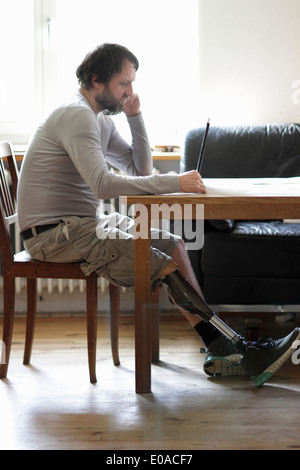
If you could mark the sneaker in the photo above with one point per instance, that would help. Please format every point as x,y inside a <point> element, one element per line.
<point>222,359</point>
<point>264,357</point>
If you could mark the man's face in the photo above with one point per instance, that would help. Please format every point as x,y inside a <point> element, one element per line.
<point>115,94</point>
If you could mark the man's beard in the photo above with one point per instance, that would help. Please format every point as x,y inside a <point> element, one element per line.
<point>108,103</point>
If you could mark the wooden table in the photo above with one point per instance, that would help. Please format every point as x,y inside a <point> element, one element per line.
<point>275,198</point>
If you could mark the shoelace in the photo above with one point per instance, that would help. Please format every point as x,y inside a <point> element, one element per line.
<point>264,343</point>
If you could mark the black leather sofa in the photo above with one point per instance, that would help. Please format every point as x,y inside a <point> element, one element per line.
<point>248,262</point>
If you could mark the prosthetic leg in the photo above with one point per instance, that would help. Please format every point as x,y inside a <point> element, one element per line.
<point>185,296</point>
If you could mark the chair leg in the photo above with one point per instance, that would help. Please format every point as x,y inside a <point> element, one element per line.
<point>114,297</point>
<point>8,320</point>
<point>31,316</point>
<point>155,326</point>
<point>91,316</point>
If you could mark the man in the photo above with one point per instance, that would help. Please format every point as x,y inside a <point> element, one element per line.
<point>64,175</point>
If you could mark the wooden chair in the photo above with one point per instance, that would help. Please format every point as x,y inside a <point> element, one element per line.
<point>21,265</point>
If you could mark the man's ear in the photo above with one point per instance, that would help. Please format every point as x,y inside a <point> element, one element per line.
<point>97,85</point>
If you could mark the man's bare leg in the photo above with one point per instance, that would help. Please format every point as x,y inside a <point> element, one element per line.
<point>181,258</point>
<point>187,281</point>
<point>182,262</point>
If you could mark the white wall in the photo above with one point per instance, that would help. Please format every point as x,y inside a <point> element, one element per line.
<point>249,61</point>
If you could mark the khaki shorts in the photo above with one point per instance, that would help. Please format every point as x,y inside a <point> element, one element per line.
<point>103,245</point>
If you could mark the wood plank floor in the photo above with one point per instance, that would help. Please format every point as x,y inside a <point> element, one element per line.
<point>51,404</point>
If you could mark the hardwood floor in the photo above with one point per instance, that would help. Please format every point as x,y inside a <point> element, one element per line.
<point>51,404</point>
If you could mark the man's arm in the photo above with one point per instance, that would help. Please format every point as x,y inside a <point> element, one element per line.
<point>134,159</point>
<point>82,143</point>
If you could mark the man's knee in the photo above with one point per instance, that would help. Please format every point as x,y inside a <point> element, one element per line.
<point>170,268</point>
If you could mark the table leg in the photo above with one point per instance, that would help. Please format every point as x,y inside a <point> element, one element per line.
<point>142,313</point>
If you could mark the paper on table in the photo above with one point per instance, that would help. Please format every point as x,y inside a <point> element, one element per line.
<point>253,186</point>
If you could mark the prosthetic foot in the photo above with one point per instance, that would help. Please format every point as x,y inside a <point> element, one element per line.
<point>185,296</point>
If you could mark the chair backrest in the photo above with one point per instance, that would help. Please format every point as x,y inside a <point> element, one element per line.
<point>8,197</point>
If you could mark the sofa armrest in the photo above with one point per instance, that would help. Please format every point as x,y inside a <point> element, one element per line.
<point>226,225</point>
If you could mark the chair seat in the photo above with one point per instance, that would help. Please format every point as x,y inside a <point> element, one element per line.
<point>25,266</point>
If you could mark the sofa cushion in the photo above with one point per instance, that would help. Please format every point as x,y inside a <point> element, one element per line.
<point>250,291</point>
<point>253,249</point>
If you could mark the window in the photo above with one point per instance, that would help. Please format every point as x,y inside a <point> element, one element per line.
<point>17,80</point>
<point>59,33</point>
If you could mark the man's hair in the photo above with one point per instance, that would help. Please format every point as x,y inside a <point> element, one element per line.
<point>103,62</point>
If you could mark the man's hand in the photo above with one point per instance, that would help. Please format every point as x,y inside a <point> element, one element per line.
<point>132,106</point>
<point>191,182</point>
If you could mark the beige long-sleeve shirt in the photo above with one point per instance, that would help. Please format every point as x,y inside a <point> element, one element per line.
<point>66,167</point>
